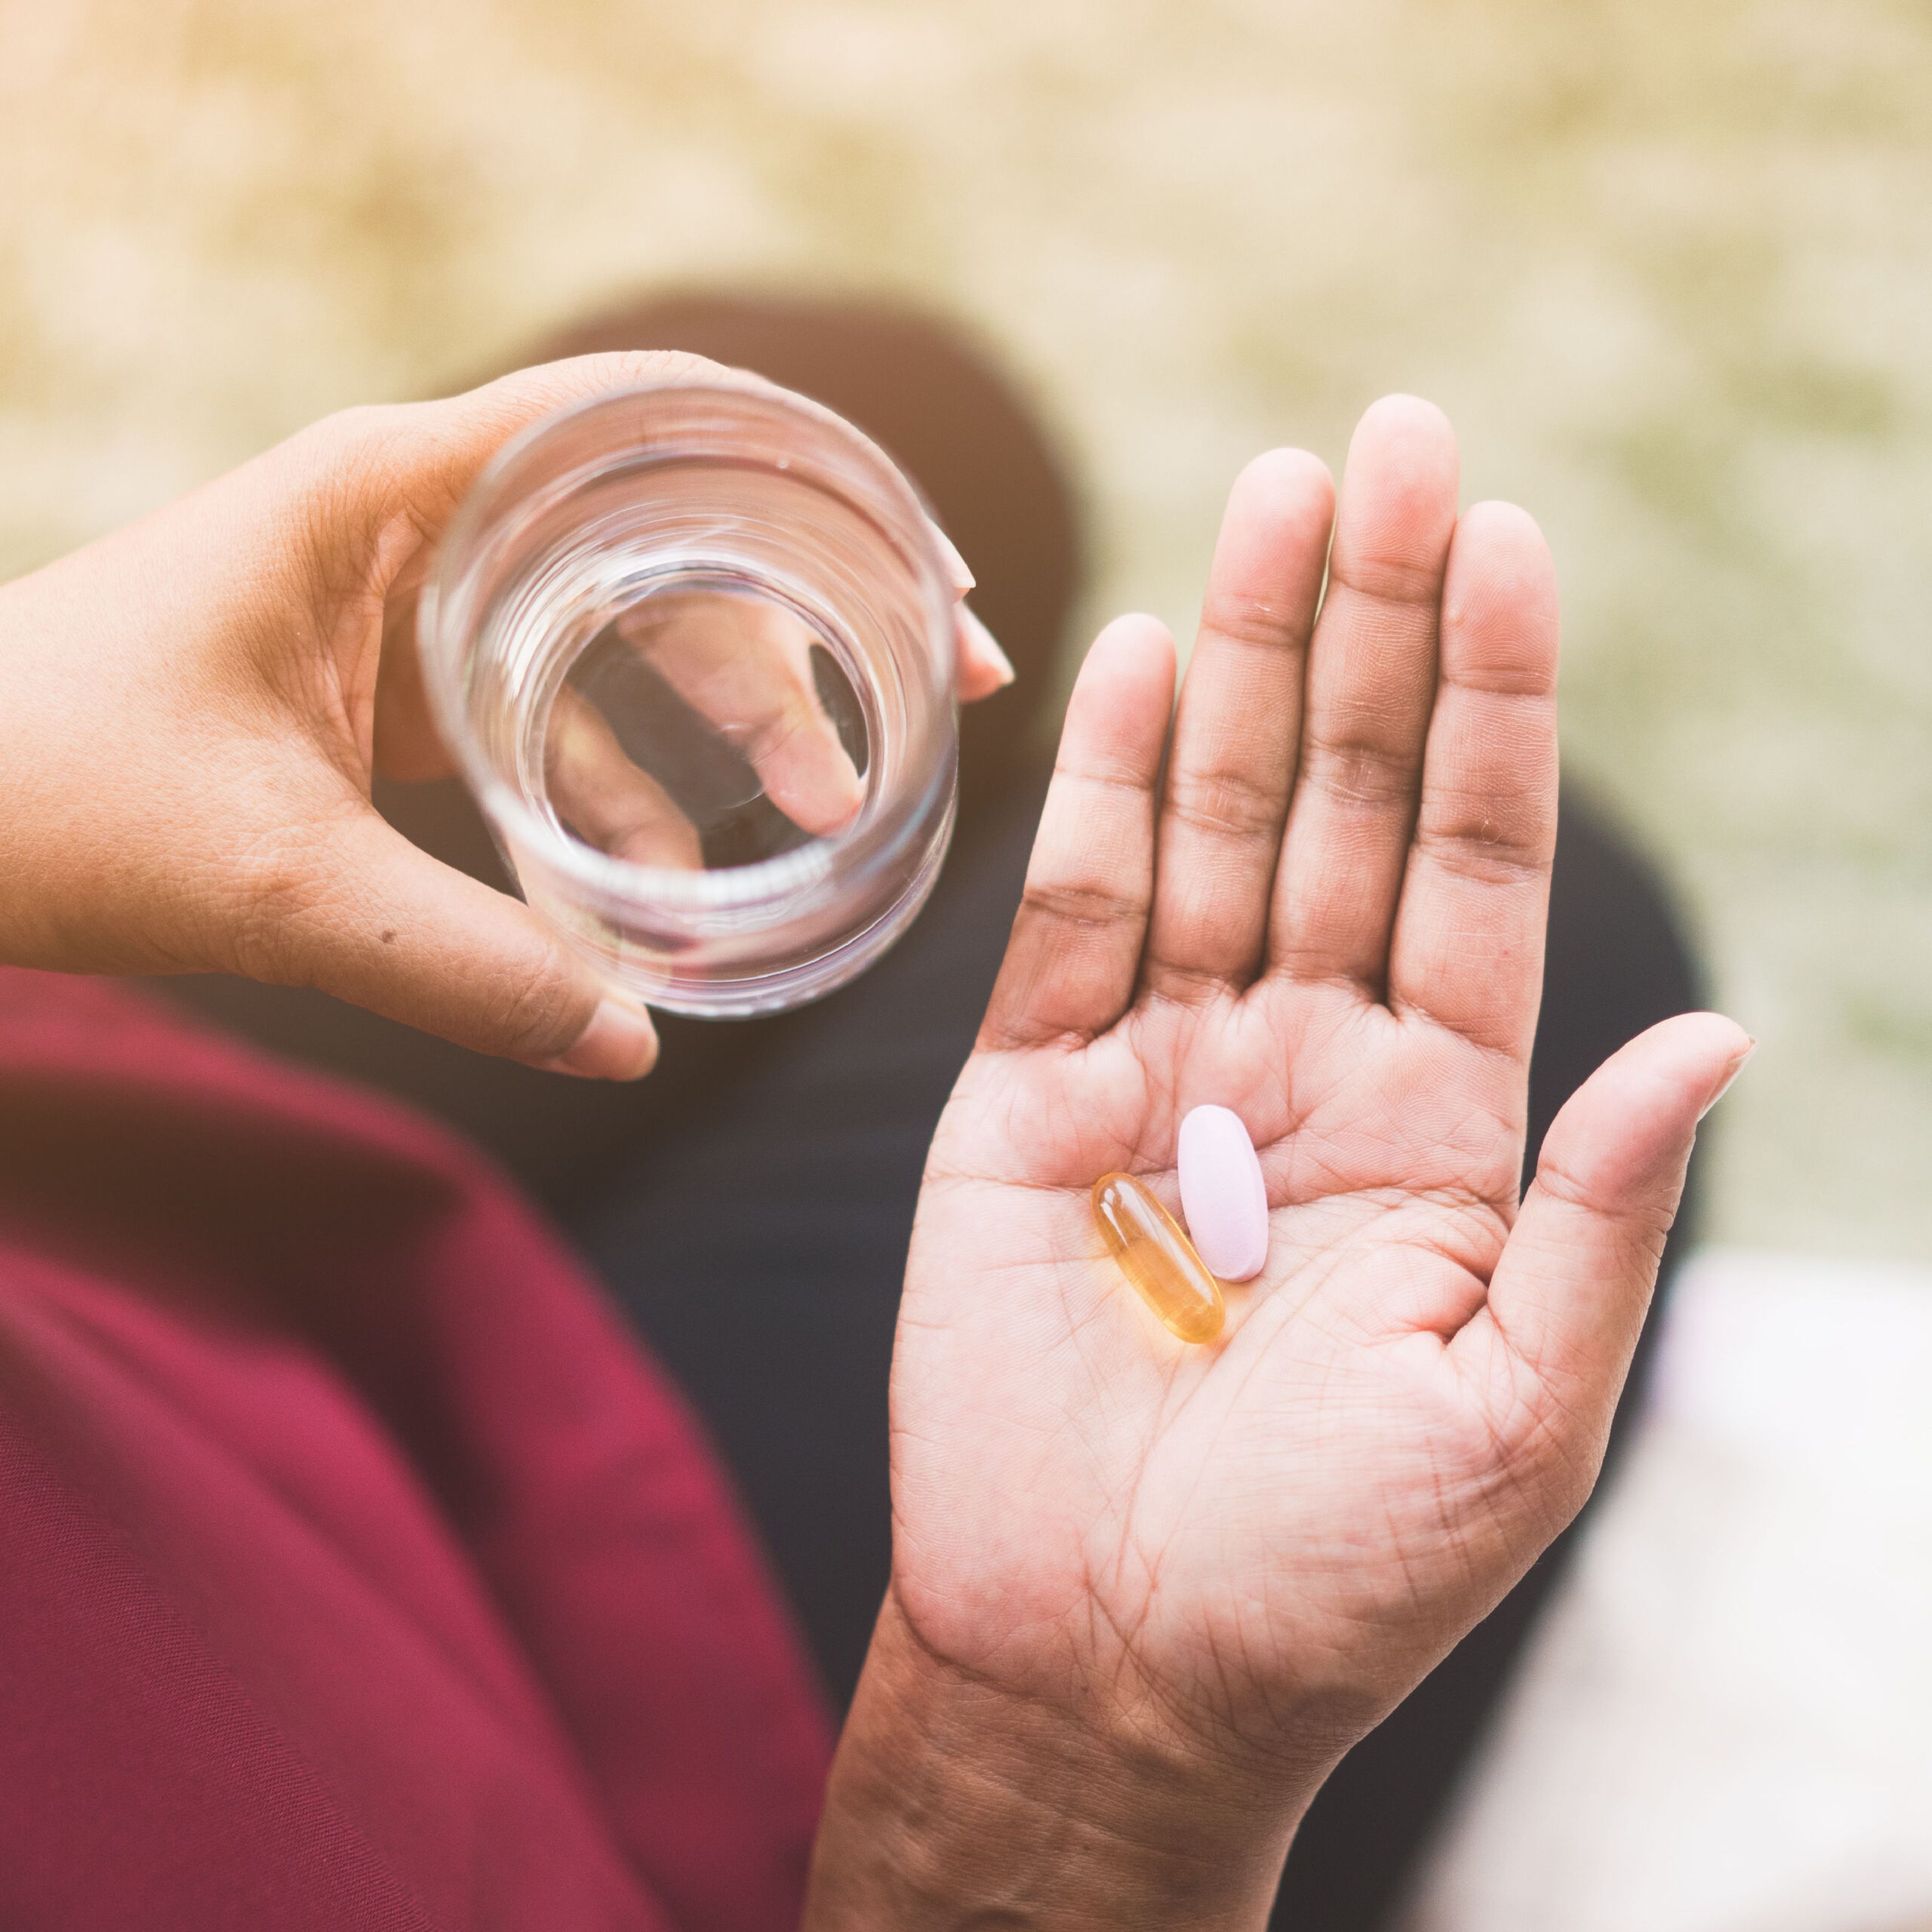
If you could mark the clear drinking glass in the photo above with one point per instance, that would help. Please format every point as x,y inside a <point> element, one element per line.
<point>693,647</point>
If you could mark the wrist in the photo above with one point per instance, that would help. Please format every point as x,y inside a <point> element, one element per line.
<point>954,1802</point>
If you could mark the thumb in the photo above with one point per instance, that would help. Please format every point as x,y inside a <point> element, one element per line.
<point>380,924</point>
<point>1570,1293</point>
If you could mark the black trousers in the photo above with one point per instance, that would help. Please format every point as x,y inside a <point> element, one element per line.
<point>749,1206</point>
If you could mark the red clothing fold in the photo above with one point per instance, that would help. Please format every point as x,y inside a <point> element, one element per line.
<point>355,1570</point>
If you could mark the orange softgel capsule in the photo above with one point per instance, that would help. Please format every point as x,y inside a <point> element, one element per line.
<point>1157,1258</point>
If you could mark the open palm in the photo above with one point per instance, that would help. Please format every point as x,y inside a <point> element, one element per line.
<point>1326,912</point>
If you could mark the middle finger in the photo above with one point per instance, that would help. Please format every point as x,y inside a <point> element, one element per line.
<point>1371,686</point>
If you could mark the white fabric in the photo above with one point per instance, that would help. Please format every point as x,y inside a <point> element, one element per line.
<point>1725,1724</point>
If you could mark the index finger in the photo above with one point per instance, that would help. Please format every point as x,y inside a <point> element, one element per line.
<point>1232,763</point>
<point>1371,681</point>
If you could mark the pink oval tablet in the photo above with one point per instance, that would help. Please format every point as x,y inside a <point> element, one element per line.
<point>1223,1193</point>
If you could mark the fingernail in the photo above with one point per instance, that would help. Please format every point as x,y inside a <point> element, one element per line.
<point>987,642</point>
<point>1737,1066</point>
<point>620,1043</point>
<point>963,580</point>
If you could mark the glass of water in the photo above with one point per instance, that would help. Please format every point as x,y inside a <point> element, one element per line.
<point>692,646</point>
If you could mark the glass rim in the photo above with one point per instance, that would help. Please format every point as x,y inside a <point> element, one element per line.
<point>608,878</point>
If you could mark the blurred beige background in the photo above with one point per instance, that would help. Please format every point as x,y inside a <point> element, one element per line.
<point>1669,268</point>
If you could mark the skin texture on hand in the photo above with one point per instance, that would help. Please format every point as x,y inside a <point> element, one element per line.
<point>197,705</point>
<point>1184,1580</point>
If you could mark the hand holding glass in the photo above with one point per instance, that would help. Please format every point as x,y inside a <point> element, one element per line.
<point>694,648</point>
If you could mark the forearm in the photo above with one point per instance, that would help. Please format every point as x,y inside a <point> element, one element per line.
<point>954,1805</point>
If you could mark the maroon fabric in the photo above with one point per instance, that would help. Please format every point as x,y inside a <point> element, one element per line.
<point>355,1571</point>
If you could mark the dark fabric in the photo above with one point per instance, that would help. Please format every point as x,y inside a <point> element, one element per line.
<point>954,422</point>
<point>359,1573</point>
<point>762,1246</point>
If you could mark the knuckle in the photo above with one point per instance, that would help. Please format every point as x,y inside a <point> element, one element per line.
<point>766,735</point>
<point>1118,775</point>
<point>1225,804</point>
<point>536,1016</point>
<point>1359,772</point>
<point>1187,985</point>
<point>1641,1221</point>
<point>680,365</point>
<point>344,444</point>
<point>1258,622</point>
<point>344,472</point>
<point>1510,681</point>
<point>1482,851</point>
<point>1558,1451</point>
<point>613,368</point>
<point>1405,582</point>
<point>577,378</point>
<point>1081,905</point>
<point>274,893</point>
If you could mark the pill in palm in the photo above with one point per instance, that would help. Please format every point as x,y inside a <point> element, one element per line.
<point>1222,1194</point>
<point>1153,1253</point>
